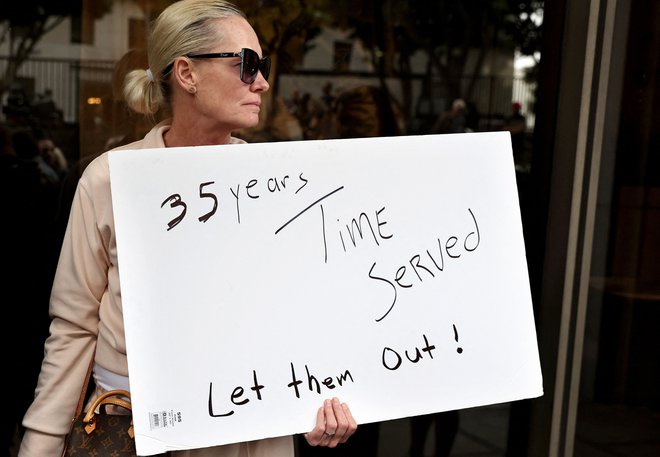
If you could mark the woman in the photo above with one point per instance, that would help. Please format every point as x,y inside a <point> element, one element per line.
<point>206,72</point>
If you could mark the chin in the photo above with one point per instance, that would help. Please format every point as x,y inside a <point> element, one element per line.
<point>250,121</point>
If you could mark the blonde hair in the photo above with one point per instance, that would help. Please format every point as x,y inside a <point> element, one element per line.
<point>183,27</point>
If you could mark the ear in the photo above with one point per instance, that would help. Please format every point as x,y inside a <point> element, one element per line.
<point>183,73</point>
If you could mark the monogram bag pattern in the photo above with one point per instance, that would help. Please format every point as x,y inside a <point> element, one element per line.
<point>98,434</point>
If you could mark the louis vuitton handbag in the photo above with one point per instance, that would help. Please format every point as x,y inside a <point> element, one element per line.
<point>98,434</point>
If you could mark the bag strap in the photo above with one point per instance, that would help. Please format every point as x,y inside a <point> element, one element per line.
<point>113,397</point>
<point>83,392</point>
<point>81,400</point>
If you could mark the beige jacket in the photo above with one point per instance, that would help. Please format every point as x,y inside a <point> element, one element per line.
<point>85,308</point>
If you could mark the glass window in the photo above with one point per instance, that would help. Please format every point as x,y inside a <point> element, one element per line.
<point>619,399</point>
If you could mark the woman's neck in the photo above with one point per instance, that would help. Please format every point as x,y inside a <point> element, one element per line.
<point>188,133</point>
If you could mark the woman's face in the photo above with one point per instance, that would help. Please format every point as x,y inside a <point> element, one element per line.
<point>222,99</point>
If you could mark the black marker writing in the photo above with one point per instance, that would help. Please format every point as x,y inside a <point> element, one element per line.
<point>418,267</point>
<point>325,244</point>
<point>307,209</point>
<point>304,181</point>
<point>371,276</point>
<point>175,200</point>
<point>356,230</point>
<point>313,383</point>
<point>458,349</point>
<point>238,209</point>
<point>392,360</point>
<point>202,194</point>
<point>274,185</point>
<point>236,396</point>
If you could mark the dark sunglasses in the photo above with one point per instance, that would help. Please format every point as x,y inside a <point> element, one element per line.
<point>251,64</point>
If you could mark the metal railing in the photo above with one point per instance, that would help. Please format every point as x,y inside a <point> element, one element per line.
<point>61,78</point>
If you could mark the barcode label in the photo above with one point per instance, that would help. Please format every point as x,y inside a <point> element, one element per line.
<point>155,419</point>
<point>164,419</point>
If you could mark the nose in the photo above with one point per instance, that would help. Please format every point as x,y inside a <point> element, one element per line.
<point>260,84</point>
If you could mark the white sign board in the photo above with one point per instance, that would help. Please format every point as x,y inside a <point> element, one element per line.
<point>259,280</point>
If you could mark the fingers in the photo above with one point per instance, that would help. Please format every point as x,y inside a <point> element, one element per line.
<point>315,437</point>
<point>351,424</point>
<point>340,421</point>
<point>334,424</point>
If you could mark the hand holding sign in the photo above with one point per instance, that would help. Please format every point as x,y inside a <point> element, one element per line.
<point>334,424</point>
